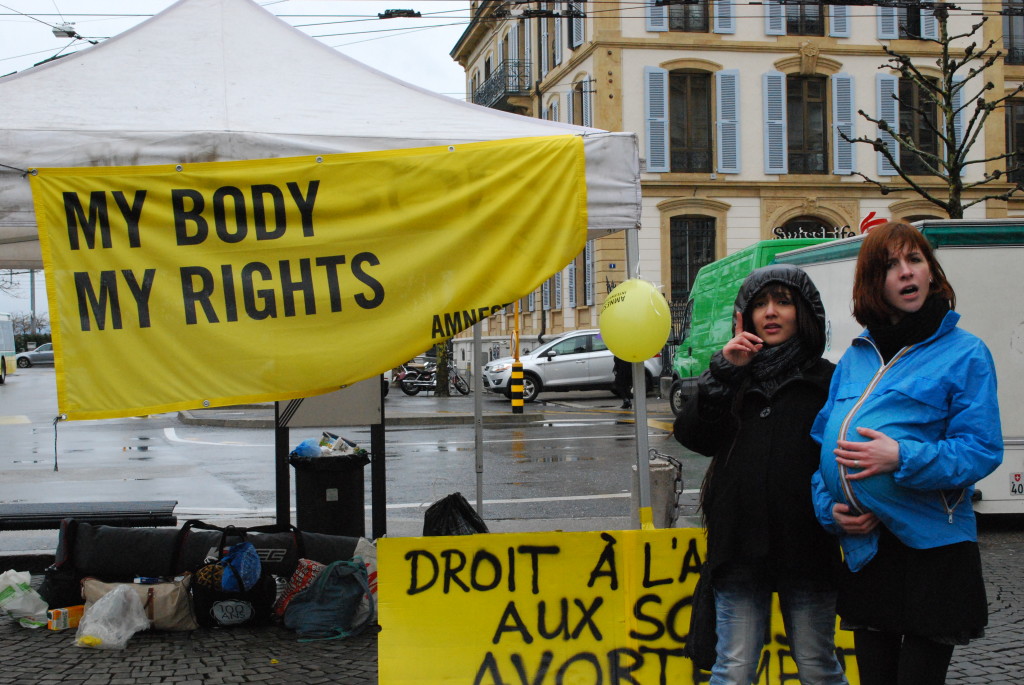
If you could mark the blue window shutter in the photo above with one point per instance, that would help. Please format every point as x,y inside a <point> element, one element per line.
<point>958,118</point>
<point>842,122</point>
<point>839,21</point>
<point>929,24</point>
<point>588,274</point>
<point>886,87</point>
<point>558,290</point>
<point>543,47</point>
<point>527,37</point>
<point>558,41</point>
<point>774,19</point>
<point>725,17</point>
<point>727,92</point>
<point>570,107</point>
<point>773,85</point>
<point>577,24</point>
<point>588,103</point>
<point>888,23</point>
<point>657,16</point>
<point>656,113</point>
<point>570,274</point>
<point>513,41</point>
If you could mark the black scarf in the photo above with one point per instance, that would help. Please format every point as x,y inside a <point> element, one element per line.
<point>912,328</point>
<point>772,365</point>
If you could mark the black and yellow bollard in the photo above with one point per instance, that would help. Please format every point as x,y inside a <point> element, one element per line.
<point>515,386</point>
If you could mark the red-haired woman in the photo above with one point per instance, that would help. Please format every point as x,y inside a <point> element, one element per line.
<point>911,423</point>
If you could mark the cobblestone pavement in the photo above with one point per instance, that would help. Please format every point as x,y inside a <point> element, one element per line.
<point>239,655</point>
<point>273,655</point>
<point>999,656</point>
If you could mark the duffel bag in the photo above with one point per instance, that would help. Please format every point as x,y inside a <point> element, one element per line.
<point>235,590</point>
<point>167,604</point>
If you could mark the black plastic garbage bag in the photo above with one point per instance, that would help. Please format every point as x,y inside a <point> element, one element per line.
<point>452,515</point>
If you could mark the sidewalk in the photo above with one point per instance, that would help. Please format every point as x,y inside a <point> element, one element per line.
<point>268,654</point>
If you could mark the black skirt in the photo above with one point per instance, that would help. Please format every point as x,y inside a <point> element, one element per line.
<point>937,593</point>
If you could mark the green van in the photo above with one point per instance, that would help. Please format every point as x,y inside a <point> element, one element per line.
<point>707,318</point>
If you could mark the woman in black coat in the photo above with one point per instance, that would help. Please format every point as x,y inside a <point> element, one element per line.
<point>753,414</point>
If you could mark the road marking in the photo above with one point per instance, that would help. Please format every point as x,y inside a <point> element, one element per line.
<point>11,420</point>
<point>172,435</point>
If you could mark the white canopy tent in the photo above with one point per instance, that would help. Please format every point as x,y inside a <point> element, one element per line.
<point>219,80</point>
<point>225,80</point>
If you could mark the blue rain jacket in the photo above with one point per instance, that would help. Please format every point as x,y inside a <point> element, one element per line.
<point>937,399</point>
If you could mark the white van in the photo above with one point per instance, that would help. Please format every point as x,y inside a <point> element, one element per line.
<point>983,260</point>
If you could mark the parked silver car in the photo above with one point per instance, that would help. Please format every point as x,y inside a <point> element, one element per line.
<point>42,355</point>
<point>574,361</point>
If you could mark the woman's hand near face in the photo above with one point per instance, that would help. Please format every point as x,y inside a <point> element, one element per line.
<point>880,454</point>
<point>853,525</point>
<point>743,346</point>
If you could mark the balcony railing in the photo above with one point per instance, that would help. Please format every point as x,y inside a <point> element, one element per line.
<point>512,77</point>
<point>1014,54</point>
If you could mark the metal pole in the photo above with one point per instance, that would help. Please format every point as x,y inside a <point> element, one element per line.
<point>378,475</point>
<point>640,399</point>
<point>282,480</point>
<point>515,381</point>
<point>478,417</point>
<point>32,298</point>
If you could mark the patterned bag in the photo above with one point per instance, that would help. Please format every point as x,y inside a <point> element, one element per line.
<point>305,573</point>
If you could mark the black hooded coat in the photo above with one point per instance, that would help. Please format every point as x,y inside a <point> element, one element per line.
<point>756,499</point>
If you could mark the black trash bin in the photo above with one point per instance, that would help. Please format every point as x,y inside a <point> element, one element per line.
<point>329,494</point>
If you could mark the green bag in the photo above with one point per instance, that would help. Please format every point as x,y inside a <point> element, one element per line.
<point>337,604</point>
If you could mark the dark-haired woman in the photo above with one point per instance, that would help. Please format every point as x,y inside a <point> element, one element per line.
<point>911,423</point>
<point>753,413</point>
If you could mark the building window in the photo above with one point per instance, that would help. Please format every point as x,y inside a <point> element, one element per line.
<point>918,116</point>
<point>690,116</point>
<point>805,19</point>
<point>693,18</point>
<point>1015,140</point>
<point>691,245</point>
<point>1013,32</point>
<point>910,22</point>
<point>805,124</point>
<point>576,105</point>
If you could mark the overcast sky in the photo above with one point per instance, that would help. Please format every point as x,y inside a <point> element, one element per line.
<point>414,50</point>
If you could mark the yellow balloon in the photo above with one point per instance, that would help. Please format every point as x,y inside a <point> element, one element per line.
<point>635,320</point>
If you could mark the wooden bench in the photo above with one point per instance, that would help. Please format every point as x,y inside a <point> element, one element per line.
<point>125,514</point>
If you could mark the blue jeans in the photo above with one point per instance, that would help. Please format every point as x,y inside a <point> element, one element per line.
<point>743,609</point>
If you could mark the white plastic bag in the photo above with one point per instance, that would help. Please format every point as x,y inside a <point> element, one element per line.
<point>18,599</point>
<point>112,620</point>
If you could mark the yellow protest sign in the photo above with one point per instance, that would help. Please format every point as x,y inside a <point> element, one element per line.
<point>175,287</point>
<point>550,608</point>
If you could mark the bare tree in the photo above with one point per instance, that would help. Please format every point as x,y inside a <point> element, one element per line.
<point>27,324</point>
<point>945,110</point>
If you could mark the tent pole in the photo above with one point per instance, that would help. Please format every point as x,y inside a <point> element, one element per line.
<point>639,398</point>
<point>478,417</point>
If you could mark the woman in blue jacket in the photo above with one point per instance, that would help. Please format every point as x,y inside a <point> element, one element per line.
<point>910,424</point>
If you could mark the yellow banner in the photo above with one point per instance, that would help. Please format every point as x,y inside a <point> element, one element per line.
<point>547,608</point>
<point>176,287</point>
